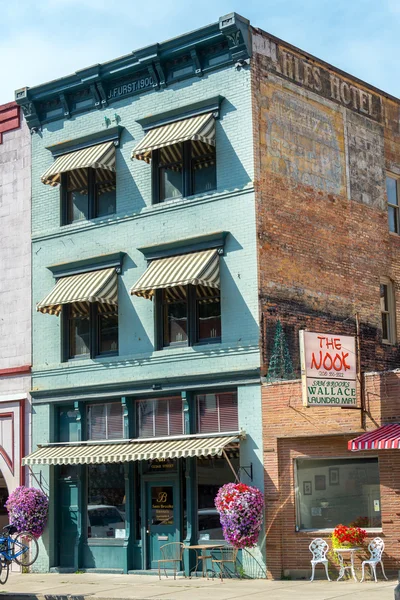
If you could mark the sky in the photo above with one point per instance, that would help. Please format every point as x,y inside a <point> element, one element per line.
<point>47,39</point>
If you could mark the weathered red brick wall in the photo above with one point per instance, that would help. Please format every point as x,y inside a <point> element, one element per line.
<point>323,144</point>
<point>10,118</point>
<point>324,240</point>
<point>292,431</point>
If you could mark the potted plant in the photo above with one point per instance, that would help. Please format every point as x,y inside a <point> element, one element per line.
<point>240,507</point>
<point>347,536</point>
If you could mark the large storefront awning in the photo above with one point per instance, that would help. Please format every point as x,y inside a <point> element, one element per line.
<point>197,129</point>
<point>197,268</point>
<point>92,453</point>
<point>386,437</point>
<point>94,286</point>
<point>100,157</point>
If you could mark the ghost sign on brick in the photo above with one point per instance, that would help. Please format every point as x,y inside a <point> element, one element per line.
<point>328,369</point>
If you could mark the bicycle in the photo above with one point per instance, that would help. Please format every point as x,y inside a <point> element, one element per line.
<point>23,549</point>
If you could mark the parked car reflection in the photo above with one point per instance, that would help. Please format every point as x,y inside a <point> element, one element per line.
<point>105,521</point>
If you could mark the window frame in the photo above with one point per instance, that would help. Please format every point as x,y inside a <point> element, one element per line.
<point>187,173</point>
<point>87,420</point>
<point>92,198</point>
<point>192,321</point>
<point>94,335</point>
<point>153,400</point>
<point>395,207</point>
<point>390,312</point>
<point>297,497</point>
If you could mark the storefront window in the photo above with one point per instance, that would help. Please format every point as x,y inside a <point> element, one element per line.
<point>211,474</point>
<point>330,492</point>
<point>106,501</point>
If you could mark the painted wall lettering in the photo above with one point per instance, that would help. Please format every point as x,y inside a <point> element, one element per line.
<point>303,142</point>
<point>319,79</point>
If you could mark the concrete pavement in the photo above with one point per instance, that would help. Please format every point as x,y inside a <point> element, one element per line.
<point>89,586</point>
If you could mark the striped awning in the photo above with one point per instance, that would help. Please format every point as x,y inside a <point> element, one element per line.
<point>199,268</point>
<point>132,450</point>
<point>95,286</point>
<point>197,129</point>
<point>100,157</point>
<point>386,437</point>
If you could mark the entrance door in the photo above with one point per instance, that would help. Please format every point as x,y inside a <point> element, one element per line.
<point>162,518</point>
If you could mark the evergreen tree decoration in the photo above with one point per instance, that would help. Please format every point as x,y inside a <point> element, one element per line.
<point>280,364</point>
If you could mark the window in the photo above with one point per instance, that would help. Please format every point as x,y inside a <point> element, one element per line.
<point>335,491</point>
<point>393,203</point>
<point>217,412</point>
<point>105,421</point>
<point>106,501</point>
<point>85,195</point>
<point>92,332</point>
<point>187,317</point>
<point>388,312</point>
<point>159,418</point>
<point>182,170</point>
<point>212,473</point>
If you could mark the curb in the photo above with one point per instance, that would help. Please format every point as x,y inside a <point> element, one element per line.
<point>28,596</point>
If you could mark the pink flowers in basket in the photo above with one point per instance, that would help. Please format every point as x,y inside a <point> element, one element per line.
<point>27,510</point>
<point>240,507</point>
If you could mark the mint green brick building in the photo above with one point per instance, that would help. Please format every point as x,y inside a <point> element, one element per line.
<point>146,383</point>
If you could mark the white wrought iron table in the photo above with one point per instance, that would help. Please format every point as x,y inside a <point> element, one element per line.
<point>346,567</point>
<point>201,555</point>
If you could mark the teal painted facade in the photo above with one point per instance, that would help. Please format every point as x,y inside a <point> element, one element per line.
<point>139,369</point>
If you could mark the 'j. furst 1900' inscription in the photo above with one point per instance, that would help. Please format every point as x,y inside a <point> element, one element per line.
<point>129,87</point>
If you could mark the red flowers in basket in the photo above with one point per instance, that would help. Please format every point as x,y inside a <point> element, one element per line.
<point>343,536</point>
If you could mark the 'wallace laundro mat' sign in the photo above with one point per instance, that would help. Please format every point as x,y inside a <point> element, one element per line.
<point>328,369</point>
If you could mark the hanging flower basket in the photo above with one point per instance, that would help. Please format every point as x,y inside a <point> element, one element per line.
<point>28,509</point>
<point>240,508</point>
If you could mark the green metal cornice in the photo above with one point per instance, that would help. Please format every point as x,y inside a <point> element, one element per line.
<point>150,68</point>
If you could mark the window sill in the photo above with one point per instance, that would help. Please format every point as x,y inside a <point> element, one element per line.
<point>369,530</point>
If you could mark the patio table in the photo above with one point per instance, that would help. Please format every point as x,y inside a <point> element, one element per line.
<point>341,552</point>
<point>201,555</point>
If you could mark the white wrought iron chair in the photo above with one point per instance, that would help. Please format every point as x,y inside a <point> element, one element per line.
<point>318,549</point>
<point>170,554</point>
<point>376,548</point>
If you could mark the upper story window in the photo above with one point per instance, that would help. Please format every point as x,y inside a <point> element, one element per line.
<point>105,421</point>
<point>217,412</point>
<point>392,192</point>
<point>388,313</point>
<point>160,417</point>
<point>187,298</point>
<point>89,305</point>
<point>87,182</point>
<point>183,157</point>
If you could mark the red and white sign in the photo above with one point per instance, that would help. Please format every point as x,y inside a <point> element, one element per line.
<point>328,369</point>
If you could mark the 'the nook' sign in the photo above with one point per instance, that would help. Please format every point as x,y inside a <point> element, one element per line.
<point>328,369</point>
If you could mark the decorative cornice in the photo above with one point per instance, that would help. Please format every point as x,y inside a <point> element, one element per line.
<point>184,246</point>
<point>154,67</point>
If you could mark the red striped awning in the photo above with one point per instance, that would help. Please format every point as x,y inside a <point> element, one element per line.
<point>386,437</point>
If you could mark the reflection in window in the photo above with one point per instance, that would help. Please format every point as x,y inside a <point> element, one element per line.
<point>336,491</point>
<point>175,322</point>
<point>106,501</point>
<point>393,203</point>
<point>108,332</point>
<point>388,320</point>
<point>79,333</point>
<point>211,474</point>
<point>209,319</point>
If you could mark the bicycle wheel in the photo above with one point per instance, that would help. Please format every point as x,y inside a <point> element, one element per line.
<point>4,569</point>
<point>26,548</point>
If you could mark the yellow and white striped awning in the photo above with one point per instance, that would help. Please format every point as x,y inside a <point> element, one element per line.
<point>198,268</point>
<point>196,129</point>
<point>95,286</point>
<point>132,450</point>
<point>100,157</point>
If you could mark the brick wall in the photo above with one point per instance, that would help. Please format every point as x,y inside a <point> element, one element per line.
<point>292,431</point>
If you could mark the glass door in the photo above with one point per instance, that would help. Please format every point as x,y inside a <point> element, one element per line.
<point>162,518</point>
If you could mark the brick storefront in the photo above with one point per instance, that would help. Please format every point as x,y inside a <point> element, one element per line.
<point>324,142</point>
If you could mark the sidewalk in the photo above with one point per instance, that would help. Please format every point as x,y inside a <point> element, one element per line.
<point>148,587</point>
